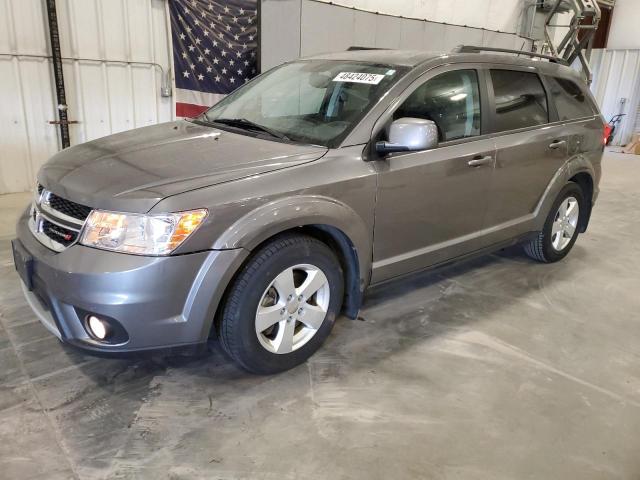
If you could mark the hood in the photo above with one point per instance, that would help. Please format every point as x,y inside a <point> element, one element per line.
<point>133,170</point>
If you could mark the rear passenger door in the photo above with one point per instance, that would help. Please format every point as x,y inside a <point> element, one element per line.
<point>531,146</point>
<point>579,114</point>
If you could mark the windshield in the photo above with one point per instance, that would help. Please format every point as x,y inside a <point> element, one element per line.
<point>316,102</point>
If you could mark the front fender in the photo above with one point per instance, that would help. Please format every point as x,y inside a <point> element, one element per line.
<point>284,214</point>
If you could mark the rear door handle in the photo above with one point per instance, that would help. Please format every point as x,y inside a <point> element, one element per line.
<point>480,161</point>
<point>557,144</point>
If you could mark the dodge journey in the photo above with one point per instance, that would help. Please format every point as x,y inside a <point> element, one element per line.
<point>271,213</point>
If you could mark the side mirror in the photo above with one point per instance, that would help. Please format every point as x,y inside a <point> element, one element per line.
<point>409,134</point>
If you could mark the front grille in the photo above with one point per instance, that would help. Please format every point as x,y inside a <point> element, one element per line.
<point>58,233</point>
<point>72,209</point>
<point>55,221</point>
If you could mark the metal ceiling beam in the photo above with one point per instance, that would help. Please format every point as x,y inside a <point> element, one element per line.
<point>572,47</point>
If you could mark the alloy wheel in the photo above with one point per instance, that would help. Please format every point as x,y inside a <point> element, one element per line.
<point>292,308</point>
<point>565,223</point>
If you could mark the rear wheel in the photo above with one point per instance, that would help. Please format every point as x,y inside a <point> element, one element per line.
<point>282,305</point>
<point>561,227</point>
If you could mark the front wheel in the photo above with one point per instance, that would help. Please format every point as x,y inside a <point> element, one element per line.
<point>283,304</point>
<point>560,230</point>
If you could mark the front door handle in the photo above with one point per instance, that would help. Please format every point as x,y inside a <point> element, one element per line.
<point>557,144</point>
<point>480,161</point>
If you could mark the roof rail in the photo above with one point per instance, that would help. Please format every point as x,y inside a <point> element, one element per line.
<point>477,49</point>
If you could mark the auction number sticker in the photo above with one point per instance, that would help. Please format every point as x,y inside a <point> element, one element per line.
<point>359,77</point>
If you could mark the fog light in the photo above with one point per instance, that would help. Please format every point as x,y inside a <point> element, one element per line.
<point>98,328</point>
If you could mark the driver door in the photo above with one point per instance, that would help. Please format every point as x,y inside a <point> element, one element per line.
<point>431,204</point>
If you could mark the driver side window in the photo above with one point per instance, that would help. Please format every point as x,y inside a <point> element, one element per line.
<point>451,100</point>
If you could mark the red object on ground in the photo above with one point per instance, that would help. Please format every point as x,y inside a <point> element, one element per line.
<point>607,132</point>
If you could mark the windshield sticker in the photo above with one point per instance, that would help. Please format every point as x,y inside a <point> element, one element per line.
<point>359,77</point>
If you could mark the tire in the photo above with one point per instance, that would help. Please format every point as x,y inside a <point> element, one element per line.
<point>259,295</point>
<point>547,247</point>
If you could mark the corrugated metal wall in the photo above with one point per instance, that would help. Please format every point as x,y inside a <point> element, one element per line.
<point>118,88</point>
<point>616,76</point>
<point>125,47</point>
<point>292,28</point>
<point>329,27</point>
<point>502,15</point>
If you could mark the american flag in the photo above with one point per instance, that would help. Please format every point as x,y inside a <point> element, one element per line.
<point>215,47</point>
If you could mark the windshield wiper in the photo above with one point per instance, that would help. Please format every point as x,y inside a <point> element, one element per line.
<point>249,125</point>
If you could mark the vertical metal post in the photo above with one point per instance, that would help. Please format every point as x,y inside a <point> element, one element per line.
<point>57,73</point>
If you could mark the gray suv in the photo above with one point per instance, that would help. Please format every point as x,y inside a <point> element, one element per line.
<point>263,219</point>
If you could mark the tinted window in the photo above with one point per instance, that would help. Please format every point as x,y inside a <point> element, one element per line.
<point>520,100</point>
<point>451,100</point>
<point>571,101</point>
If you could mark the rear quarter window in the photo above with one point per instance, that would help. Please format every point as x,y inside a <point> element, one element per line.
<point>520,100</point>
<point>571,101</point>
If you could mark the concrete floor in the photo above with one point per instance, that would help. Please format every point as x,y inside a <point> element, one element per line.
<point>500,368</point>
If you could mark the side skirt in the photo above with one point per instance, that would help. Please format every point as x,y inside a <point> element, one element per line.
<point>462,258</point>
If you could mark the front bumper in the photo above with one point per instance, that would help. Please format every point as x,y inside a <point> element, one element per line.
<point>162,302</point>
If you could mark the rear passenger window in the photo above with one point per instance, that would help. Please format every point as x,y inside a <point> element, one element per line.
<point>520,100</point>
<point>451,100</point>
<point>571,101</point>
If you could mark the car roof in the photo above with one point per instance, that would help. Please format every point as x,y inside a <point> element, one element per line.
<point>415,58</point>
<point>406,58</point>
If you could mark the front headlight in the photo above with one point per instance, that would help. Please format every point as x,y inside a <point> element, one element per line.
<point>140,234</point>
